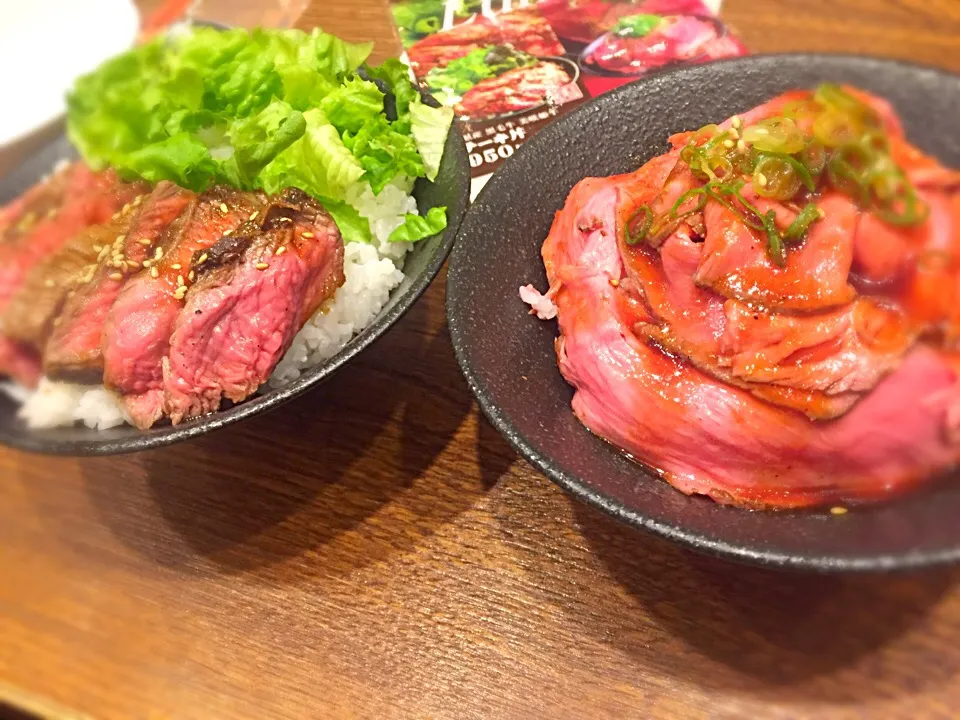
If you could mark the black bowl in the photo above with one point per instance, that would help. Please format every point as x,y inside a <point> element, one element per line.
<point>451,188</point>
<point>508,356</point>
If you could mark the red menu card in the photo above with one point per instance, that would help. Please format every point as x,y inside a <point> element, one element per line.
<point>508,67</point>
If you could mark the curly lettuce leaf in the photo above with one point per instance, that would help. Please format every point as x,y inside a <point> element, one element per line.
<point>430,127</point>
<point>183,159</point>
<point>418,227</point>
<point>351,105</point>
<point>396,75</point>
<point>353,227</point>
<point>261,109</point>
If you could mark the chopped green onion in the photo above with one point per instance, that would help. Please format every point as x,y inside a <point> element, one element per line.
<point>699,193</point>
<point>718,167</point>
<point>637,233</point>
<point>776,176</point>
<point>835,97</point>
<point>831,140</point>
<point>777,134</point>
<point>716,192</point>
<point>915,211</point>
<point>805,218</point>
<point>774,241</point>
<point>814,157</point>
<point>833,129</point>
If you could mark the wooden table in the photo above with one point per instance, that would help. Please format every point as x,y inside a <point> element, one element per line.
<point>376,550</point>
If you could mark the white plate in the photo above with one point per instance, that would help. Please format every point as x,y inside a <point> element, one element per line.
<point>45,45</point>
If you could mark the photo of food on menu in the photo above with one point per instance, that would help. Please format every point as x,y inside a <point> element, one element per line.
<point>508,67</point>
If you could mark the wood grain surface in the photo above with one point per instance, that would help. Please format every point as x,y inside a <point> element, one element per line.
<point>375,550</point>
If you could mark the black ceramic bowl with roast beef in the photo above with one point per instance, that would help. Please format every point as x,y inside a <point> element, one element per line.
<point>450,188</point>
<point>510,362</point>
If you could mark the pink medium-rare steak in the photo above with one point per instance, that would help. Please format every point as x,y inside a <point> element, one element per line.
<point>37,226</point>
<point>253,292</point>
<point>137,331</point>
<point>74,349</point>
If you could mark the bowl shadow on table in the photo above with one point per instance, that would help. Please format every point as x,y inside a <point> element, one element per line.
<point>773,633</point>
<point>308,484</point>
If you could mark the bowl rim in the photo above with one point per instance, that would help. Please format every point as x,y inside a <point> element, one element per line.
<point>583,490</point>
<point>455,152</point>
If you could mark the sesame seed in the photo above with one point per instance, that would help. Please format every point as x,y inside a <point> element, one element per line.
<point>115,216</point>
<point>125,208</point>
<point>120,238</point>
<point>132,264</point>
<point>137,200</point>
<point>253,215</point>
<point>146,242</point>
<point>736,121</point>
<point>821,213</point>
<point>838,510</point>
<point>262,266</point>
<point>191,275</point>
<point>97,248</point>
<point>729,143</point>
<point>179,279</point>
<point>147,263</point>
<point>734,133</point>
<point>226,233</point>
<point>202,258</point>
<point>154,272</point>
<point>116,276</point>
<point>614,282</point>
<point>741,146</point>
<point>307,235</point>
<point>176,266</point>
<point>281,250</point>
<point>158,254</point>
<point>761,180</point>
<point>224,208</point>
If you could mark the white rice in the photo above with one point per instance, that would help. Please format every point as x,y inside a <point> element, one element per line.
<point>371,272</point>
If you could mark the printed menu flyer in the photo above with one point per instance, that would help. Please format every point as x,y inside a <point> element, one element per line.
<point>509,67</point>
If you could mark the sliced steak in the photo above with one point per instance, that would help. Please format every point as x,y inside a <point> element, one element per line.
<point>39,202</point>
<point>137,331</point>
<point>706,436</point>
<point>90,198</point>
<point>87,199</point>
<point>30,314</point>
<point>74,349</point>
<point>736,263</point>
<point>253,293</point>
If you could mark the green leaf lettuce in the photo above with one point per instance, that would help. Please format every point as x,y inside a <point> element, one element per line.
<point>261,109</point>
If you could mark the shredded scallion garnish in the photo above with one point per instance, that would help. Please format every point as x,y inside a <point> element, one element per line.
<point>831,140</point>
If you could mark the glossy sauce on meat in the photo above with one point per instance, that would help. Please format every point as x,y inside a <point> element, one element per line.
<point>828,376</point>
